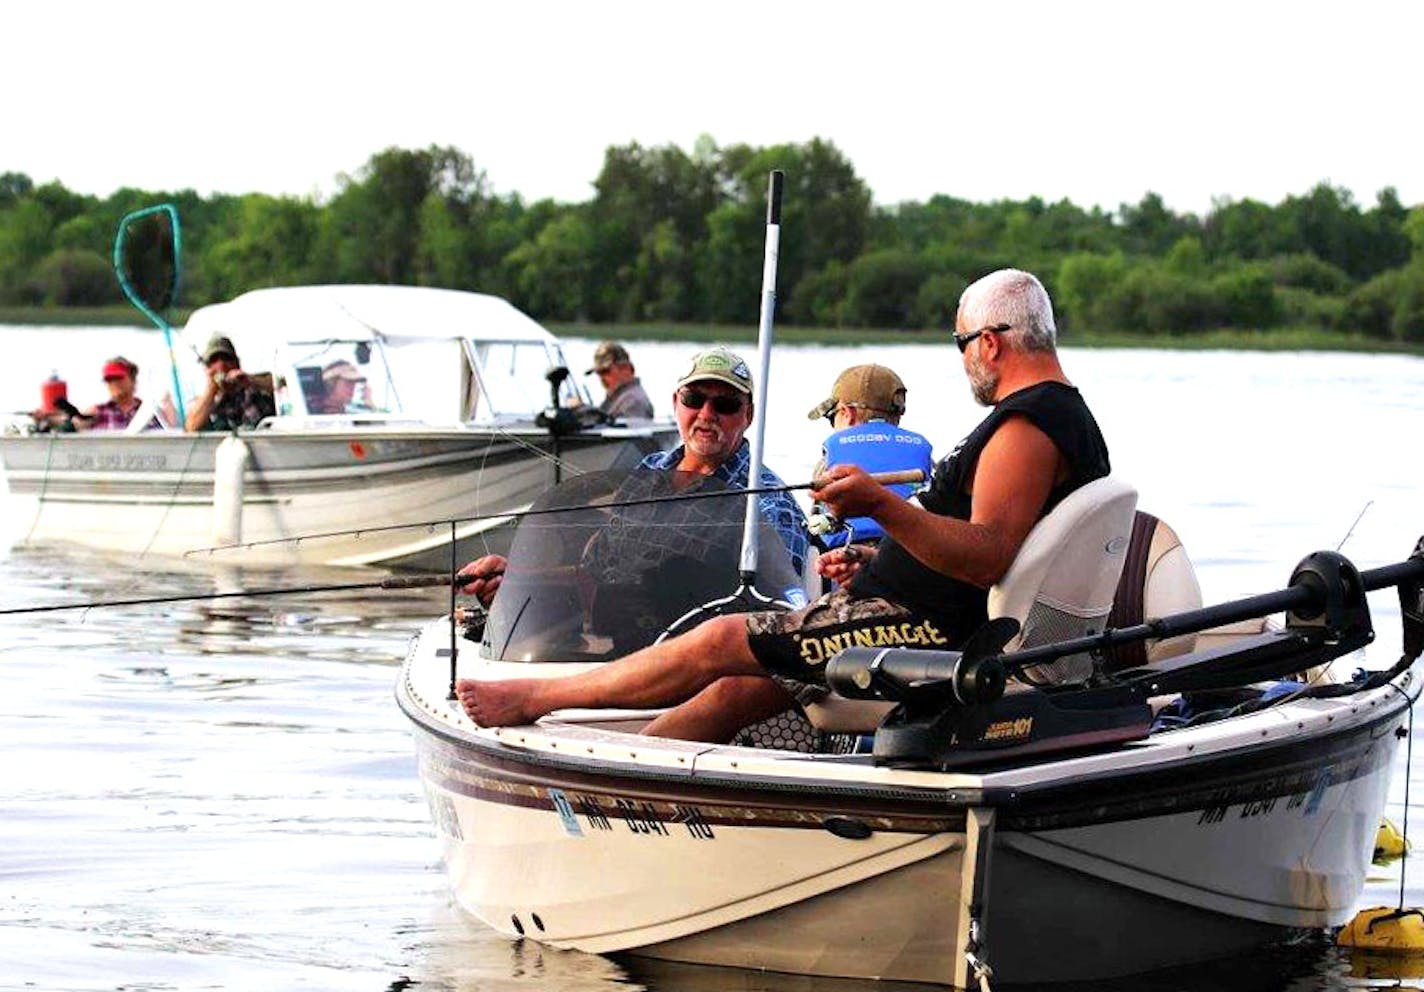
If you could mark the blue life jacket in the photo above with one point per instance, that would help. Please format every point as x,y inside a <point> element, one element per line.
<point>876,447</point>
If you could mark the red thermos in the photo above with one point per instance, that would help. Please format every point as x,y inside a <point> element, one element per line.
<point>51,390</point>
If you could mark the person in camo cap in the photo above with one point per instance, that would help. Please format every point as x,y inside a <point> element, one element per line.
<point>624,397</point>
<point>864,410</point>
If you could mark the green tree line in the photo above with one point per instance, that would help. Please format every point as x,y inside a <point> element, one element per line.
<point>676,236</point>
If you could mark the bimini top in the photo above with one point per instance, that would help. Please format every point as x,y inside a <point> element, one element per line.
<point>302,314</point>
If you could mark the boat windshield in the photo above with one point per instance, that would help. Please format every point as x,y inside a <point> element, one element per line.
<point>428,379</point>
<point>632,553</point>
<point>512,376</point>
<point>343,377</point>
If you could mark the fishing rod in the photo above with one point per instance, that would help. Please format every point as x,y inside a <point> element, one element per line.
<point>395,582</point>
<point>884,478</point>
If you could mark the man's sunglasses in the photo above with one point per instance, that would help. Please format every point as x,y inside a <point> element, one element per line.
<point>696,399</point>
<point>965,341</point>
<point>830,414</point>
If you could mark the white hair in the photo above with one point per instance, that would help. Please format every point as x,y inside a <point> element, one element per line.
<point>1013,297</point>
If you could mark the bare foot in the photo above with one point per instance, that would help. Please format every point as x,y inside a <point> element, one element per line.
<point>505,703</point>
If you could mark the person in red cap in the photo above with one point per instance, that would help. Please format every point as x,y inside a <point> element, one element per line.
<point>118,410</point>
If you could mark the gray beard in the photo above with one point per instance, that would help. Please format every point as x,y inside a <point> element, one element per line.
<point>982,383</point>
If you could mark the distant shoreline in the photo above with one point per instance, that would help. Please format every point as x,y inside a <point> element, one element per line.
<point>1277,339</point>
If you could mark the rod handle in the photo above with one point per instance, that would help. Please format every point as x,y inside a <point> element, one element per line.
<point>419,581</point>
<point>884,478</point>
<point>896,478</point>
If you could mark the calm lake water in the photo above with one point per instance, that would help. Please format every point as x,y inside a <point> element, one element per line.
<point>222,794</point>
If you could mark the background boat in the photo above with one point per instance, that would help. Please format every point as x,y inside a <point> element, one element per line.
<point>465,409</point>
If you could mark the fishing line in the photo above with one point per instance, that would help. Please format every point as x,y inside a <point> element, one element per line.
<point>1324,670</point>
<point>884,478</point>
<point>1408,775</point>
<point>44,488</point>
<point>1368,504</point>
<point>173,496</point>
<point>396,582</point>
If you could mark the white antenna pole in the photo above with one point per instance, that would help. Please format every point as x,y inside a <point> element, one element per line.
<point>768,309</point>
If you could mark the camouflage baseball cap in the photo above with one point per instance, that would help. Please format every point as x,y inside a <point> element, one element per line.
<point>607,355</point>
<point>720,365</point>
<point>873,387</point>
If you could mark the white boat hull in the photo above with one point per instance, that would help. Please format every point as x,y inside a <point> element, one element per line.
<point>156,493</point>
<point>1195,844</point>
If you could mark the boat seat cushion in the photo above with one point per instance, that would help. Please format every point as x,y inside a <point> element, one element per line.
<point>1157,580</point>
<point>1061,583</point>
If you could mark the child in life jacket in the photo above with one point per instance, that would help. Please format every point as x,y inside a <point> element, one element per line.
<point>865,407</point>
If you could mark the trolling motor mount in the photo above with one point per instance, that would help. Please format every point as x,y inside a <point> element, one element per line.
<point>1340,610</point>
<point>1411,608</point>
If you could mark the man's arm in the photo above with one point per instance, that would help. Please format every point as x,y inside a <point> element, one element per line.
<point>1012,480</point>
<point>197,417</point>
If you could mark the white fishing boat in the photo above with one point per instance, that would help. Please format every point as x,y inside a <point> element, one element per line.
<point>465,410</point>
<point>1070,833</point>
<point>1192,781</point>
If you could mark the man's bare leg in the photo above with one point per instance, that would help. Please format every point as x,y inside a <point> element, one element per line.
<point>726,706</point>
<point>660,675</point>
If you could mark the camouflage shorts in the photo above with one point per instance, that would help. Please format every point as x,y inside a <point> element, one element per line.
<point>794,647</point>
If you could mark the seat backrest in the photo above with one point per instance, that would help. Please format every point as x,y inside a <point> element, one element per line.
<point>1062,581</point>
<point>1157,580</point>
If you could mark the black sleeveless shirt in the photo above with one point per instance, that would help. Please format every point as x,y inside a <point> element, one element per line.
<point>894,574</point>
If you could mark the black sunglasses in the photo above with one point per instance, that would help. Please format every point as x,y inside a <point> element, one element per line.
<point>964,341</point>
<point>830,414</point>
<point>696,399</point>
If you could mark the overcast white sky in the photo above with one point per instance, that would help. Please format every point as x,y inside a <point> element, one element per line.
<point>1096,102</point>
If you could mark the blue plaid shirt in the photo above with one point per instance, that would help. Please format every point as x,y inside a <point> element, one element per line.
<point>778,509</point>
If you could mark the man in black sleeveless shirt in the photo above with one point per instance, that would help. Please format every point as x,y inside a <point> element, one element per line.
<point>925,586</point>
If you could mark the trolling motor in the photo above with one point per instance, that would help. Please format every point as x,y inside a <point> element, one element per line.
<point>952,709</point>
<point>557,419</point>
<point>560,420</point>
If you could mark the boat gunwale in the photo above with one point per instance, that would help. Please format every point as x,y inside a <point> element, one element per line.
<point>1027,800</point>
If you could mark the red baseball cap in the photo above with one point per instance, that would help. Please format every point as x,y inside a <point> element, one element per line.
<point>119,366</point>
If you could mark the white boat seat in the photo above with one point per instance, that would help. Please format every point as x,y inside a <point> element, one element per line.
<point>1061,583</point>
<point>1157,580</point>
